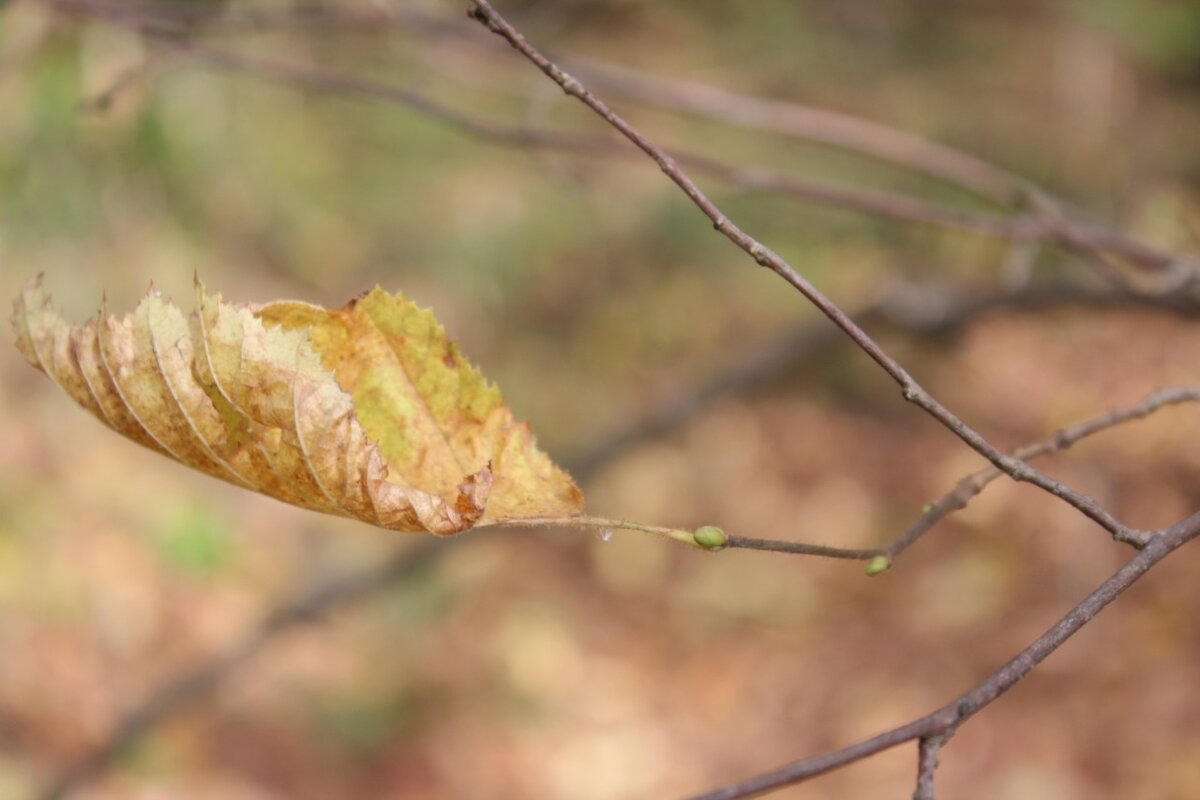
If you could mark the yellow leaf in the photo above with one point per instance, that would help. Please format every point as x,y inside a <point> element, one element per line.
<point>367,411</point>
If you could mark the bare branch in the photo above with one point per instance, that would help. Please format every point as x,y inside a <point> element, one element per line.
<point>927,761</point>
<point>1044,221</point>
<point>1060,440</point>
<point>835,129</point>
<point>762,255</point>
<point>756,179</point>
<point>802,548</point>
<point>827,127</point>
<point>884,144</point>
<point>974,483</point>
<point>950,716</point>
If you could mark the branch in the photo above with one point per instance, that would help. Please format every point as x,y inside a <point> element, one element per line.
<point>884,144</point>
<point>927,761</point>
<point>911,390</point>
<point>974,483</point>
<point>754,179</point>
<point>846,132</point>
<point>949,717</point>
<point>1060,440</point>
<point>1047,222</point>
<point>832,128</point>
<point>1043,223</point>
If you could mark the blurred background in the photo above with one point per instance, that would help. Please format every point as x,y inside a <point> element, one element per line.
<point>682,384</point>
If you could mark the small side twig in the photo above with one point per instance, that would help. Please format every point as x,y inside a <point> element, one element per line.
<point>883,556</point>
<point>927,761</point>
<point>973,484</point>
<point>1060,440</point>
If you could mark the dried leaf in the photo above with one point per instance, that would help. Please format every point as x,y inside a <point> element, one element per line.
<point>366,411</point>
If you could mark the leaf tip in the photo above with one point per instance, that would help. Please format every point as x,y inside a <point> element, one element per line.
<point>32,288</point>
<point>32,299</point>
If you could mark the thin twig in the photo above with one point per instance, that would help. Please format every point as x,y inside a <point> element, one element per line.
<point>802,548</point>
<point>1060,440</point>
<point>927,761</point>
<point>974,483</point>
<point>751,179</point>
<point>863,137</point>
<point>950,716</point>
<point>764,256</point>
<point>832,128</point>
<point>955,500</point>
<point>882,143</point>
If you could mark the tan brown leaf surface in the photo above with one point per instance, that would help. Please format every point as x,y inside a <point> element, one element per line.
<point>366,411</point>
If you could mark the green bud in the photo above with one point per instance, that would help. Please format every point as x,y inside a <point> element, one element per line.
<point>877,565</point>
<point>710,537</point>
<point>925,509</point>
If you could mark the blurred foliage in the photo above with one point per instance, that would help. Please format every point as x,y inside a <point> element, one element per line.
<point>552,664</point>
<point>195,541</point>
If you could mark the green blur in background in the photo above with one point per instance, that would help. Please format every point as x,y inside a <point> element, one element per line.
<point>554,664</point>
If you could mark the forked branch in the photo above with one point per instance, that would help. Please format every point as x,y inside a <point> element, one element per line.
<point>973,484</point>
<point>946,719</point>
<point>1060,440</point>
<point>764,256</point>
